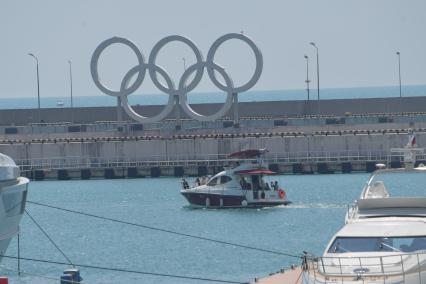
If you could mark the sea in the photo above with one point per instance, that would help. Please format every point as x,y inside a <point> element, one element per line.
<point>317,212</point>
<point>94,100</point>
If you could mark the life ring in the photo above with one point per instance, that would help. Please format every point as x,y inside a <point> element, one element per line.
<point>281,193</point>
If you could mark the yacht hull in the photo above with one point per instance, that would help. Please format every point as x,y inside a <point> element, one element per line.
<point>13,197</point>
<point>228,201</point>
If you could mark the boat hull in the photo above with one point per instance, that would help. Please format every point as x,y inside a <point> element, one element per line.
<point>13,197</point>
<point>210,200</point>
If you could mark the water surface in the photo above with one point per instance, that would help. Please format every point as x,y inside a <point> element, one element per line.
<point>306,225</point>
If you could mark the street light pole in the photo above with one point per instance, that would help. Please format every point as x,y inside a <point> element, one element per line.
<point>72,104</point>
<point>184,63</point>
<point>307,75</point>
<point>38,84</point>
<point>399,73</point>
<point>318,80</point>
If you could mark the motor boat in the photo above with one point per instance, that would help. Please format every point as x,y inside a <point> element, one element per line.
<point>242,184</point>
<point>13,196</point>
<point>384,236</point>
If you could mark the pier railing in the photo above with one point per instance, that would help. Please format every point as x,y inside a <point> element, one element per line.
<point>402,266</point>
<point>75,162</point>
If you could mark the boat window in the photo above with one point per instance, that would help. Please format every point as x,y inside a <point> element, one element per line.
<point>225,179</point>
<point>213,181</point>
<point>245,183</point>
<point>256,182</point>
<point>14,202</point>
<point>378,244</point>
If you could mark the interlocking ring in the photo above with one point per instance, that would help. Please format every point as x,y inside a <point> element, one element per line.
<point>183,87</point>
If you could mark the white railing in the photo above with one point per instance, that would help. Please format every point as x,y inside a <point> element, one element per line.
<point>71,162</point>
<point>411,265</point>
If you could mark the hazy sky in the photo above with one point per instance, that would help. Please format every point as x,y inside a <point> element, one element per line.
<point>357,41</point>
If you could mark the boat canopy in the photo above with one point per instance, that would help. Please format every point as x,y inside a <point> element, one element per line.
<point>255,172</point>
<point>247,154</point>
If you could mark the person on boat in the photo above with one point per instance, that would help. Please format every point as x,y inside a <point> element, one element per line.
<point>185,184</point>
<point>267,186</point>
<point>197,181</point>
<point>276,185</point>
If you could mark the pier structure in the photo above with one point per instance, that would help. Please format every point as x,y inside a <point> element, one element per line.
<point>101,150</point>
<point>340,140</point>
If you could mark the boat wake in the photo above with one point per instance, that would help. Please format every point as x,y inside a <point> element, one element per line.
<point>289,206</point>
<point>315,205</point>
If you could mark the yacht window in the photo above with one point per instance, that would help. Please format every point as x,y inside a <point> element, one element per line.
<point>225,179</point>
<point>14,202</point>
<point>213,181</point>
<point>378,244</point>
<point>245,183</point>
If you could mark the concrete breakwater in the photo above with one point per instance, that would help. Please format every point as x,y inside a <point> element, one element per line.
<point>272,109</point>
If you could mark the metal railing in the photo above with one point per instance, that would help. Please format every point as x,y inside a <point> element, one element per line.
<point>401,266</point>
<point>77,162</point>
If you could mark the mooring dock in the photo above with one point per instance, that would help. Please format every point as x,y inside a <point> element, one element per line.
<point>291,276</point>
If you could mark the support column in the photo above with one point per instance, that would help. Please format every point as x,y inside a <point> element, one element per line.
<point>235,108</point>
<point>178,125</point>
<point>119,113</point>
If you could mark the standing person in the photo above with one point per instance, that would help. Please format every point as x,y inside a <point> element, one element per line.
<point>185,184</point>
<point>267,186</point>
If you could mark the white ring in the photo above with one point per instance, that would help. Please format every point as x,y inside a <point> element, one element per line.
<point>183,87</point>
<point>94,67</point>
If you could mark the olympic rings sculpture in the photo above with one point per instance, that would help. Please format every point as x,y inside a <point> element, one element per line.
<point>179,94</point>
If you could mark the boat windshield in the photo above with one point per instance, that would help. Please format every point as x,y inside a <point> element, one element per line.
<point>396,183</point>
<point>378,244</point>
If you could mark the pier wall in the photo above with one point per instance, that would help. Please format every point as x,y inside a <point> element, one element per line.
<point>276,109</point>
<point>352,136</point>
<point>161,148</point>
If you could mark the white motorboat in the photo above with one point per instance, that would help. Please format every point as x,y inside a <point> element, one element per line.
<point>384,236</point>
<point>13,196</point>
<point>241,185</point>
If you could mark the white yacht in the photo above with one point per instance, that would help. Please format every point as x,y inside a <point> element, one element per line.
<point>241,185</point>
<point>13,195</point>
<point>384,236</point>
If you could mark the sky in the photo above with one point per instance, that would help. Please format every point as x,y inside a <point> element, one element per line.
<point>357,41</point>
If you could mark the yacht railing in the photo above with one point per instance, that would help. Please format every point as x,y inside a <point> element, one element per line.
<point>351,211</point>
<point>395,265</point>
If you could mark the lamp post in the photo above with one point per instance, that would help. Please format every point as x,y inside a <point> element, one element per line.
<point>184,63</point>
<point>318,88</point>
<point>307,75</point>
<point>399,73</point>
<point>72,104</point>
<point>38,84</point>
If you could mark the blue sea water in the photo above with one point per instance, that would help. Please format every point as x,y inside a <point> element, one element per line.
<point>160,99</point>
<point>306,225</point>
